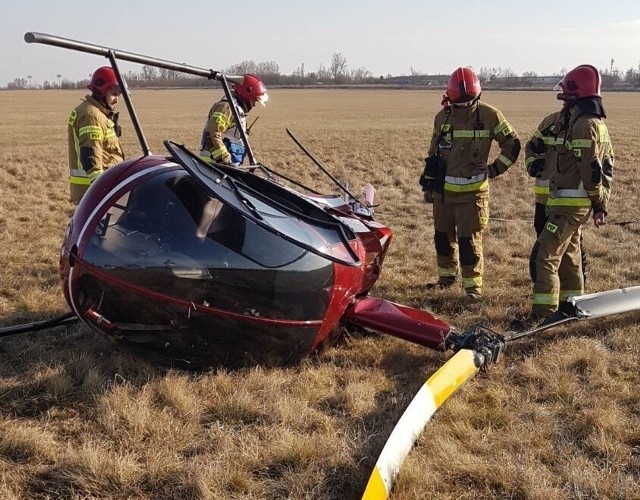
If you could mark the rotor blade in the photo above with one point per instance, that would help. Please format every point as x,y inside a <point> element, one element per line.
<point>448,379</point>
<point>591,306</point>
<point>598,305</point>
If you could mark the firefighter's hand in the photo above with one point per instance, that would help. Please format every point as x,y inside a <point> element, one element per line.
<point>535,168</point>
<point>427,196</point>
<point>481,168</point>
<point>599,219</point>
<point>491,170</point>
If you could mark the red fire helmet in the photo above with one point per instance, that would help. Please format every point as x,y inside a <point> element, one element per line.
<point>103,80</point>
<point>463,86</point>
<point>582,81</point>
<point>251,89</point>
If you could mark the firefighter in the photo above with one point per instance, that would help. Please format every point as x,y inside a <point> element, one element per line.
<point>579,187</point>
<point>541,157</point>
<point>93,133</point>
<point>221,141</point>
<point>456,178</point>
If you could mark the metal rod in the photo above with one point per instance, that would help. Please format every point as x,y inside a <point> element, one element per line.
<point>271,172</point>
<point>66,43</point>
<point>336,181</point>
<point>236,117</point>
<point>545,326</point>
<point>127,100</point>
<point>68,318</point>
<point>113,54</point>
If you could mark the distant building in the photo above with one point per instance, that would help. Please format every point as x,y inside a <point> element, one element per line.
<point>523,81</point>
<point>418,80</point>
<point>440,81</point>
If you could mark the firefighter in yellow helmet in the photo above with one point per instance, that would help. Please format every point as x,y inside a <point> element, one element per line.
<point>580,187</point>
<point>540,159</point>
<point>456,178</point>
<point>93,133</point>
<point>221,141</point>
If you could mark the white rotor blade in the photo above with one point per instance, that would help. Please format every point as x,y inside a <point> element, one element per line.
<point>597,305</point>
<point>448,379</point>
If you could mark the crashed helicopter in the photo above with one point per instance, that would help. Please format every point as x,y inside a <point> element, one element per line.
<point>198,263</point>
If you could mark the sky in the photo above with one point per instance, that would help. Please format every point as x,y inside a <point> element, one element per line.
<point>384,37</point>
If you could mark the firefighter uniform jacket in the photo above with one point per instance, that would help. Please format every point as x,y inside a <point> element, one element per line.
<point>221,125</point>
<point>93,144</point>
<point>581,180</point>
<point>462,138</point>
<point>541,152</point>
<point>580,183</point>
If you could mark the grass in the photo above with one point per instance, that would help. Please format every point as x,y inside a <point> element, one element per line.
<point>80,417</point>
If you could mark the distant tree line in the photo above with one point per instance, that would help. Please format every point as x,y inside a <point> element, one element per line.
<point>336,73</point>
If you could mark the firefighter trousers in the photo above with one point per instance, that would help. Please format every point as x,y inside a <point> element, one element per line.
<point>76,192</point>
<point>539,220</point>
<point>458,240</point>
<point>558,263</point>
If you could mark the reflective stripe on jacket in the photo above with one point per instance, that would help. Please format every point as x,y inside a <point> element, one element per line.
<point>220,125</point>
<point>582,177</point>
<point>543,141</point>
<point>93,141</point>
<point>463,139</point>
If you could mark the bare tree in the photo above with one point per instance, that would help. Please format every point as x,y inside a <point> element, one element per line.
<point>338,67</point>
<point>323,73</point>
<point>18,84</point>
<point>149,73</point>
<point>242,68</point>
<point>485,74</point>
<point>267,68</point>
<point>360,75</point>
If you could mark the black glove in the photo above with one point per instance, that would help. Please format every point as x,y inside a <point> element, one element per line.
<point>538,146</point>
<point>536,167</point>
<point>432,178</point>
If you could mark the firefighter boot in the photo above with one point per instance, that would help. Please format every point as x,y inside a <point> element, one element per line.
<point>524,323</point>
<point>443,283</point>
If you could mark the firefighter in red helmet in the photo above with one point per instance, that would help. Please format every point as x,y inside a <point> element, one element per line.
<point>221,140</point>
<point>541,154</point>
<point>93,133</point>
<point>456,178</point>
<point>579,188</point>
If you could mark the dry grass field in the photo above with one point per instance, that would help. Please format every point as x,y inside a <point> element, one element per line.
<point>557,418</point>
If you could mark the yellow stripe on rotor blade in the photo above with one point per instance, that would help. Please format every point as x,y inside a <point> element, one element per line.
<point>442,384</point>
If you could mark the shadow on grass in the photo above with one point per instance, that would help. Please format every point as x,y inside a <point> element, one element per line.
<point>64,365</point>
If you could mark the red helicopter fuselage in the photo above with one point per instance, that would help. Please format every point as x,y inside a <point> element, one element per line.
<point>150,257</point>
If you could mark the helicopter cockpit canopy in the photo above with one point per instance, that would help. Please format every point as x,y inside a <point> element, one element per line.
<point>271,207</point>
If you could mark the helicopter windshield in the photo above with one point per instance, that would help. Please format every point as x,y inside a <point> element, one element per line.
<point>168,235</point>
<point>295,219</point>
